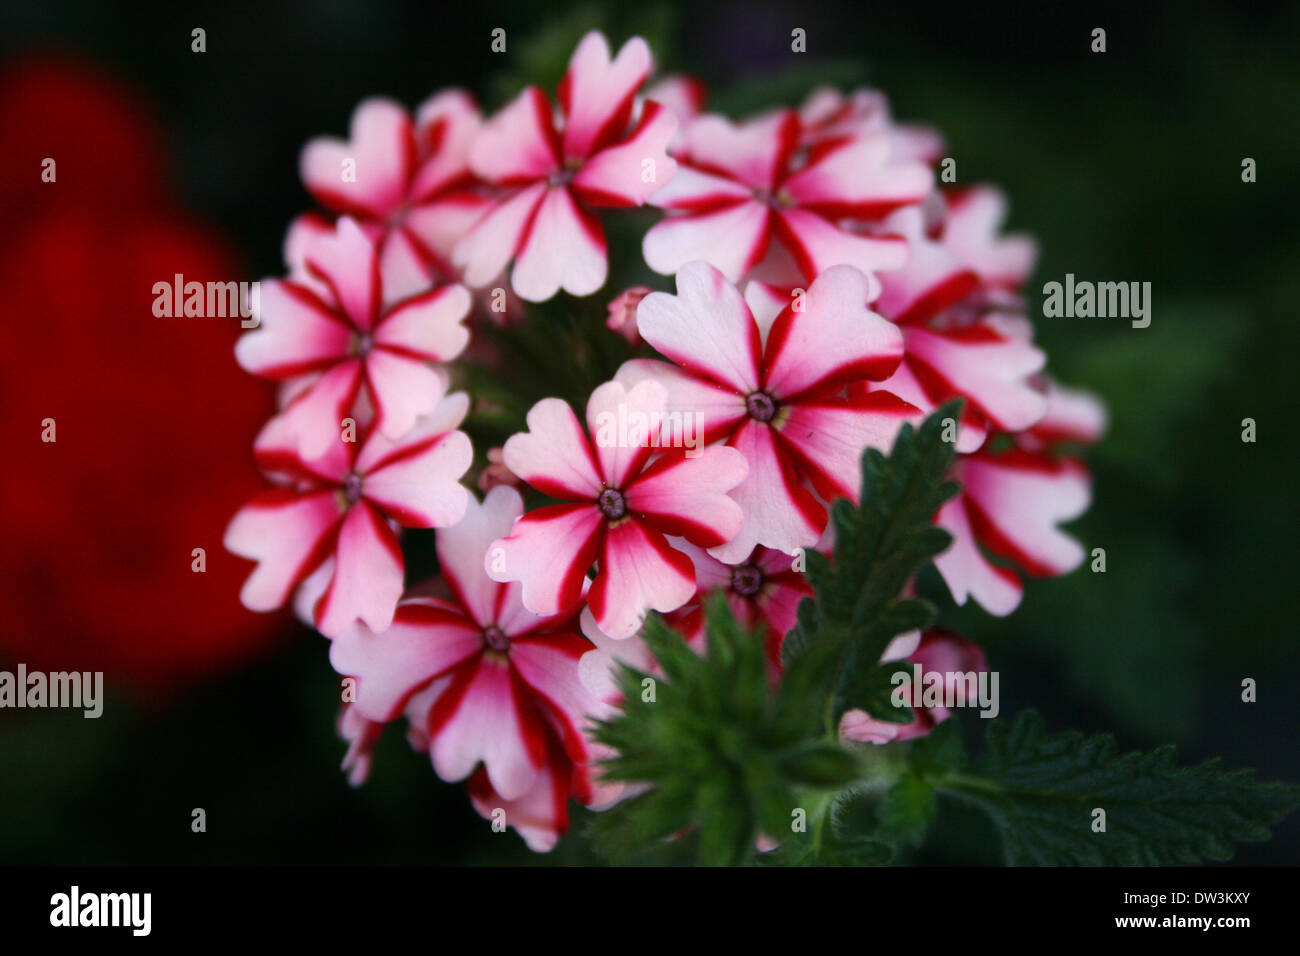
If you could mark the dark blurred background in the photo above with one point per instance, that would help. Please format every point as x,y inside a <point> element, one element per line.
<point>1126,166</point>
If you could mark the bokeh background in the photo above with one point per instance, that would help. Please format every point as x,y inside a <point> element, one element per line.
<point>1126,165</point>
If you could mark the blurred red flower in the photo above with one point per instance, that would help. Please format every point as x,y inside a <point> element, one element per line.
<point>153,417</point>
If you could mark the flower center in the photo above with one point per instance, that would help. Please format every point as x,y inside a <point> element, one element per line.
<point>362,343</point>
<point>612,504</point>
<point>760,406</point>
<point>352,488</point>
<point>564,176</point>
<point>495,638</point>
<point>746,580</point>
<point>779,199</point>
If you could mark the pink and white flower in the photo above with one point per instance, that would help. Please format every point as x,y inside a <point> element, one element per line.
<point>554,169</point>
<point>541,814</point>
<point>683,96</point>
<point>621,502</point>
<point>938,652</point>
<point>972,356</point>
<point>496,473</point>
<point>751,194</point>
<point>1073,416</point>
<point>972,232</point>
<point>346,349</point>
<point>407,183</point>
<point>361,736</point>
<point>827,114</point>
<point>622,313</point>
<point>1010,504</point>
<point>763,592</point>
<point>343,508</point>
<point>772,389</point>
<point>486,682</point>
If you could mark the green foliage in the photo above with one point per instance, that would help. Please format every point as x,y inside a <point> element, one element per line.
<point>725,753</point>
<point>723,756</point>
<point>1041,791</point>
<point>879,546</point>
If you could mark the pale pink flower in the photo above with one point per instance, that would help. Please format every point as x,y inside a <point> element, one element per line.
<point>1073,415</point>
<point>771,387</point>
<point>748,195</point>
<point>621,501</point>
<point>555,173</point>
<point>483,681</point>
<point>827,114</point>
<point>622,313</point>
<point>361,736</point>
<point>347,347</point>
<point>972,231</point>
<point>342,508</point>
<point>681,95</point>
<point>406,182</point>
<point>1010,504</point>
<point>541,814</point>
<point>763,592</point>
<point>937,652</point>
<point>496,473</point>
<point>952,347</point>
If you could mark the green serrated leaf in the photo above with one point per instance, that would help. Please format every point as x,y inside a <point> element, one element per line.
<point>1041,792</point>
<point>907,809</point>
<point>873,692</point>
<point>723,752</point>
<point>879,546</point>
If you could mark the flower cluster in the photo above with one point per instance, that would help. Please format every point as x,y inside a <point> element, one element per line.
<point>826,290</point>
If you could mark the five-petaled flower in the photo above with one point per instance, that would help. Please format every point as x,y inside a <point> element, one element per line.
<point>622,500</point>
<point>739,187</point>
<point>343,506</point>
<point>407,184</point>
<point>349,348</point>
<point>771,386</point>
<point>490,688</point>
<point>553,177</point>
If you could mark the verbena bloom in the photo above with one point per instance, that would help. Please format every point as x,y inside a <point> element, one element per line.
<point>540,815</point>
<point>343,506</point>
<point>763,591</point>
<point>623,496</point>
<point>972,231</point>
<point>496,473</point>
<point>361,736</point>
<point>405,181</point>
<point>954,346</point>
<point>553,169</point>
<point>748,195</point>
<point>683,96</point>
<point>938,652</point>
<point>622,313</point>
<point>485,682</point>
<point>773,391</point>
<point>1010,504</point>
<point>350,349</point>
<point>827,115</point>
<point>1073,416</point>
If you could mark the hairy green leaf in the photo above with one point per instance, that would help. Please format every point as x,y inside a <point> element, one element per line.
<point>1041,792</point>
